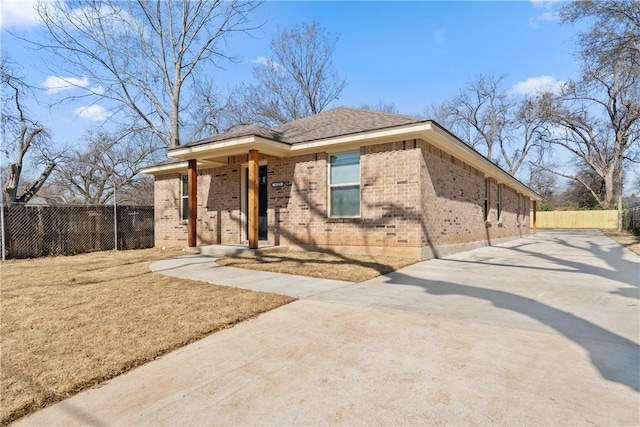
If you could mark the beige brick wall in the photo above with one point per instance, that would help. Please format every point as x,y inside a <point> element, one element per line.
<point>169,230</point>
<point>453,195</point>
<point>413,195</point>
<point>389,207</point>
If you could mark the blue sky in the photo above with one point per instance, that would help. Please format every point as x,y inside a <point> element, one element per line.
<point>412,54</point>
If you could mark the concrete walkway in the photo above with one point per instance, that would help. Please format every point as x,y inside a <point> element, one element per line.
<point>538,331</point>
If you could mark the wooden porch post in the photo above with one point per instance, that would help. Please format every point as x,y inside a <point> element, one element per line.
<point>253,199</point>
<point>192,188</point>
<point>535,219</point>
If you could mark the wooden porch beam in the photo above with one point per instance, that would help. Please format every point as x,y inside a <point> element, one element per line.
<point>192,189</point>
<point>252,207</point>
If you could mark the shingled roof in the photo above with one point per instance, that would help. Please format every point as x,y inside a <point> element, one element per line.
<point>338,129</point>
<point>340,121</point>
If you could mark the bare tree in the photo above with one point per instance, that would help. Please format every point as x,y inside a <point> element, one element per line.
<point>138,192</point>
<point>597,118</point>
<point>597,121</point>
<point>297,81</point>
<point>480,113</point>
<point>493,121</point>
<point>613,33</point>
<point>544,183</point>
<point>214,112</point>
<point>88,174</point>
<point>576,194</point>
<point>140,53</point>
<point>20,133</point>
<point>610,50</point>
<point>381,105</point>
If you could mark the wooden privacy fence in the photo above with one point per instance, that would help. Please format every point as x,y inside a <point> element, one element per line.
<point>34,231</point>
<point>577,219</point>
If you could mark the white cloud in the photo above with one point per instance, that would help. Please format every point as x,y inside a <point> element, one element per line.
<point>18,13</point>
<point>97,90</point>
<point>92,112</point>
<point>547,12</point>
<point>535,85</point>
<point>55,84</point>
<point>545,3</point>
<point>550,16</point>
<point>267,62</point>
<point>115,20</point>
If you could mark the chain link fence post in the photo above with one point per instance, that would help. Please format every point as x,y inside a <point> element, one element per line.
<point>115,219</point>
<point>2,227</point>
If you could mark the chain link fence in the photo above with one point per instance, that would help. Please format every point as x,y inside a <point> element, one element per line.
<point>33,231</point>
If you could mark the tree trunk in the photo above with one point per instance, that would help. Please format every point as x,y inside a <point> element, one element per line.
<point>620,179</point>
<point>38,184</point>
<point>13,179</point>
<point>608,188</point>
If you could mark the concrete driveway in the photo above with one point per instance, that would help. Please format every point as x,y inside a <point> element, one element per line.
<point>539,331</point>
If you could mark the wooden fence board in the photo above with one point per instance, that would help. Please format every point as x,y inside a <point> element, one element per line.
<point>577,219</point>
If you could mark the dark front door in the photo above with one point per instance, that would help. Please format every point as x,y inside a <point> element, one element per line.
<point>262,201</point>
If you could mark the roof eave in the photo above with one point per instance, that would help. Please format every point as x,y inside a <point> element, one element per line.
<point>177,167</point>
<point>428,130</point>
<point>449,143</point>
<point>231,147</point>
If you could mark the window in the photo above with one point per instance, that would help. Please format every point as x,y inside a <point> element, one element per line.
<point>499,201</point>
<point>344,185</point>
<point>486,199</point>
<point>184,207</point>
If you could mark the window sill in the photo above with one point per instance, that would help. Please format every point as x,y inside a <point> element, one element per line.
<point>343,219</point>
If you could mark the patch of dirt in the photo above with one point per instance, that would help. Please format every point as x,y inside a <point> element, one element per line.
<point>350,268</point>
<point>624,238</point>
<point>70,323</point>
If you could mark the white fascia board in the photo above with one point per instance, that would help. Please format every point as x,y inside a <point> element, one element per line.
<point>190,152</point>
<point>165,169</point>
<point>232,147</point>
<point>178,167</point>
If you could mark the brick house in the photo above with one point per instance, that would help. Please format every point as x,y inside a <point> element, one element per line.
<point>347,180</point>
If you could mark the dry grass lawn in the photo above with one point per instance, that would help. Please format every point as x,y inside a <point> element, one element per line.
<point>625,238</point>
<point>350,268</point>
<point>69,323</point>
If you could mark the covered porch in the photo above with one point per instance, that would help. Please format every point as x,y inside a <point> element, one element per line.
<point>214,153</point>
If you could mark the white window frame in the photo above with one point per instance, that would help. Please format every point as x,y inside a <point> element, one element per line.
<point>184,213</point>
<point>487,199</point>
<point>331,186</point>
<point>499,201</point>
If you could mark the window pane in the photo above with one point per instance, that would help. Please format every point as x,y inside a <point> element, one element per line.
<point>185,208</point>
<point>185,185</point>
<point>345,201</point>
<point>345,168</point>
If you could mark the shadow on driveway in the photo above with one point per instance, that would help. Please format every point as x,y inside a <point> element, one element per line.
<point>587,260</point>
